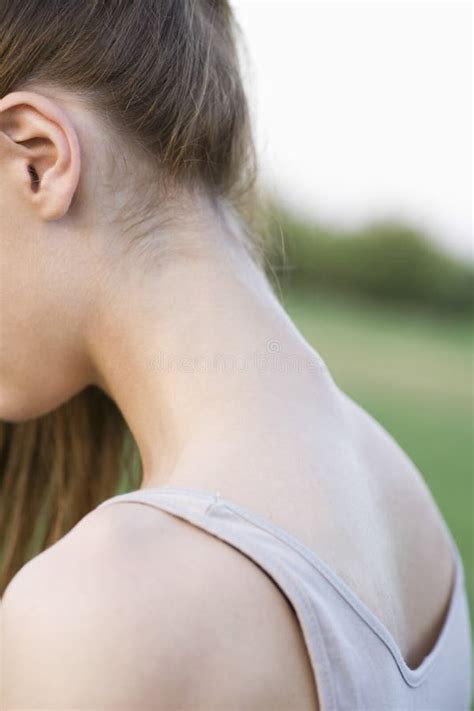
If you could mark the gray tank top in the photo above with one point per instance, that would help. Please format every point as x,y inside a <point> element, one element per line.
<point>356,662</point>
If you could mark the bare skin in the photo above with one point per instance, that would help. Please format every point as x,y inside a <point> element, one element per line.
<point>281,439</point>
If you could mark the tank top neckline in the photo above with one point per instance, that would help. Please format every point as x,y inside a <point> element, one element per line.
<point>412,675</point>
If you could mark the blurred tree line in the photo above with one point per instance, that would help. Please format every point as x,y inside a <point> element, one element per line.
<point>385,261</point>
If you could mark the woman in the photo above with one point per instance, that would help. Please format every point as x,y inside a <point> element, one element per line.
<point>278,550</point>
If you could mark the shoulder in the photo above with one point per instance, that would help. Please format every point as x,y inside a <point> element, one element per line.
<point>86,624</point>
<point>136,607</point>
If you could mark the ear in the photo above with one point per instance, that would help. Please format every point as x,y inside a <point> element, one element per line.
<point>43,144</point>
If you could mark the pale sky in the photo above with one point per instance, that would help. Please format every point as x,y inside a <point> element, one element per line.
<point>364,109</point>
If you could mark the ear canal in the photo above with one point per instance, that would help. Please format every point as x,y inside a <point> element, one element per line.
<point>34,178</point>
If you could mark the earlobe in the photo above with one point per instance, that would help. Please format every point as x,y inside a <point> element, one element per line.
<point>46,145</point>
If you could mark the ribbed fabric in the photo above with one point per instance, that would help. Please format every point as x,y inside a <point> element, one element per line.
<point>357,664</point>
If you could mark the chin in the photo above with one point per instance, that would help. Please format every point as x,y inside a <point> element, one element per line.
<point>16,407</point>
<point>19,404</point>
<point>15,413</point>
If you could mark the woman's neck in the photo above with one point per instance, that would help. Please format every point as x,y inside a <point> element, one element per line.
<point>204,363</point>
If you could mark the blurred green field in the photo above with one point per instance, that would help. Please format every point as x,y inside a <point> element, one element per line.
<point>412,371</point>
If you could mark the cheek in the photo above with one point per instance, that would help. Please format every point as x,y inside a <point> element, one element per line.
<point>13,316</point>
<point>18,265</point>
<point>38,369</point>
<point>26,383</point>
<point>16,323</point>
<point>35,367</point>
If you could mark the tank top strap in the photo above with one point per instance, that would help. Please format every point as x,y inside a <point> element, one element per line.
<point>208,511</point>
<point>355,660</point>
